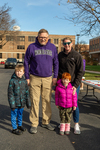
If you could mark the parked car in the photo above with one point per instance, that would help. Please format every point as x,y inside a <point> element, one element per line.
<point>2,62</point>
<point>10,63</point>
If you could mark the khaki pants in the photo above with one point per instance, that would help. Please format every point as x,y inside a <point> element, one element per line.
<point>40,85</point>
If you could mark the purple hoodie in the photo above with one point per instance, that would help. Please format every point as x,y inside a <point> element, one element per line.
<point>41,58</point>
<point>84,64</point>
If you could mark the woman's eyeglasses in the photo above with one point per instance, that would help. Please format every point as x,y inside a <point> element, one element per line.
<point>67,43</point>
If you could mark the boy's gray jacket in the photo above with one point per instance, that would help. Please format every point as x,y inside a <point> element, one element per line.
<point>18,92</point>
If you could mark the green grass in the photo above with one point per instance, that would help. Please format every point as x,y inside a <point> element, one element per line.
<point>93,68</point>
<point>91,76</point>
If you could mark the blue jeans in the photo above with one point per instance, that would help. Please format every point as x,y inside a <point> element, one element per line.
<point>76,112</point>
<point>16,114</point>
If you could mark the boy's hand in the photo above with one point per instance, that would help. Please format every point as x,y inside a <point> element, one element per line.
<point>57,106</point>
<point>13,109</point>
<point>74,108</point>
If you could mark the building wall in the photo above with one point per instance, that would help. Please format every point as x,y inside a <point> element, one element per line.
<point>14,48</point>
<point>94,49</point>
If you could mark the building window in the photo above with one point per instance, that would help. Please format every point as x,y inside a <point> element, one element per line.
<point>61,41</point>
<point>50,40</point>
<point>0,55</point>
<point>31,38</point>
<point>55,41</point>
<point>0,46</point>
<point>0,38</point>
<point>96,46</point>
<point>17,55</point>
<point>9,38</point>
<point>91,47</point>
<point>23,55</point>
<point>20,47</point>
<point>62,49</point>
<point>57,49</point>
<point>20,38</point>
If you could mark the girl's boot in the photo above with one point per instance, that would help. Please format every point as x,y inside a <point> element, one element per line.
<point>67,128</point>
<point>62,128</point>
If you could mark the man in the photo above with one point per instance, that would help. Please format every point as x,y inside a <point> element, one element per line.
<point>40,58</point>
<point>71,61</point>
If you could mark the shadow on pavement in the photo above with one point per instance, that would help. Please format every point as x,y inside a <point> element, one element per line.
<point>5,118</point>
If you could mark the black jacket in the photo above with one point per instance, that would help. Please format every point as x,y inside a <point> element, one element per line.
<point>73,64</point>
<point>18,92</point>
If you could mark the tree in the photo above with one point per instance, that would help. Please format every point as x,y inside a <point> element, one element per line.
<point>82,47</point>
<point>86,13</point>
<point>6,24</point>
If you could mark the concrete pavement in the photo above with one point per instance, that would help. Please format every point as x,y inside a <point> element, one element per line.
<point>97,72</point>
<point>89,139</point>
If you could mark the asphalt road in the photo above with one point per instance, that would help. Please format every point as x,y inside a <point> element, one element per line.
<point>89,139</point>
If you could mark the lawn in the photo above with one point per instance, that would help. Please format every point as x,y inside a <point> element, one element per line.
<point>92,76</point>
<point>93,68</point>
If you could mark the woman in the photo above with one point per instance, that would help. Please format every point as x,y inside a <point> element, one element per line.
<point>71,61</point>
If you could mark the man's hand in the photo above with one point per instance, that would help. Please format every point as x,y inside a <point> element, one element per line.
<point>28,81</point>
<point>54,81</point>
<point>57,106</point>
<point>74,90</point>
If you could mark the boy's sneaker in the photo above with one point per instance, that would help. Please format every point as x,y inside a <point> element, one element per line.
<point>77,129</point>
<point>17,132</point>
<point>21,128</point>
<point>33,130</point>
<point>48,126</point>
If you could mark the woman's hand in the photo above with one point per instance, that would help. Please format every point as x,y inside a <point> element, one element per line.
<point>74,108</point>
<point>74,90</point>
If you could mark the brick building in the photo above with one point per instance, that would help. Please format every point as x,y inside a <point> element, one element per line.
<point>17,48</point>
<point>94,49</point>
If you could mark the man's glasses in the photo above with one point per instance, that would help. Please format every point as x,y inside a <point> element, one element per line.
<point>66,43</point>
<point>43,38</point>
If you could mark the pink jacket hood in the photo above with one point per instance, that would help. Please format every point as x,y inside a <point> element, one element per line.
<point>64,95</point>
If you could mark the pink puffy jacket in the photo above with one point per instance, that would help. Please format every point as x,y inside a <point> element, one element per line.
<point>64,96</point>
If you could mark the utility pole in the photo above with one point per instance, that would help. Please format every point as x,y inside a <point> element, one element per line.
<point>78,42</point>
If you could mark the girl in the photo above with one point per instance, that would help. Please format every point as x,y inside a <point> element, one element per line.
<point>65,101</point>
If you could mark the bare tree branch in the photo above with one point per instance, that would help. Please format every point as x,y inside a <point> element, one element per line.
<point>6,24</point>
<point>86,13</point>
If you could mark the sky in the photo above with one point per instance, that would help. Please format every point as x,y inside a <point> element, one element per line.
<point>33,15</point>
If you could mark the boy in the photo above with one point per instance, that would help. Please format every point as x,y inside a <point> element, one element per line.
<point>18,97</point>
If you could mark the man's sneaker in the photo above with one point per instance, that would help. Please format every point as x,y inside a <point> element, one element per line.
<point>77,129</point>
<point>48,126</point>
<point>33,130</point>
<point>59,126</point>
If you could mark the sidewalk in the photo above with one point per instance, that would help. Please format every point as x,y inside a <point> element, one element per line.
<point>97,72</point>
